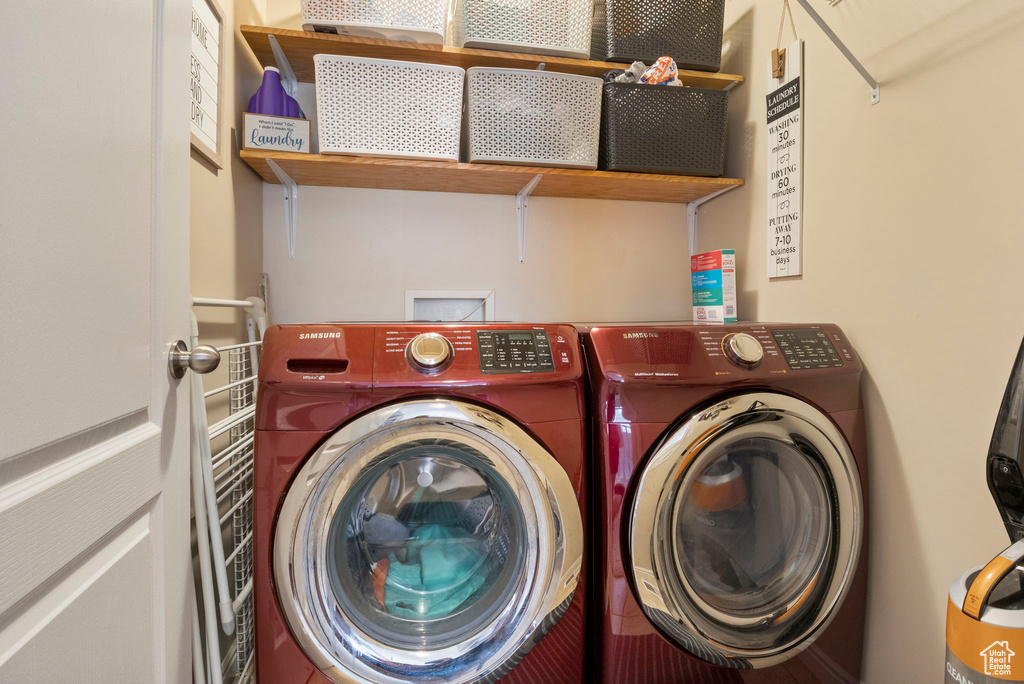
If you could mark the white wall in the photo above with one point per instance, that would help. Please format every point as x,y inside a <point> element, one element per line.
<point>912,244</point>
<point>359,250</point>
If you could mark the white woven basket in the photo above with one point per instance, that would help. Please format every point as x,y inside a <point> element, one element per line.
<point>542,27</point>
<point>385,108</point>
<point>518,116</point>
<point>418,21</point>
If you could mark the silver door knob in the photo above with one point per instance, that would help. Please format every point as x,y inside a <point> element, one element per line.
<point>202,359</point>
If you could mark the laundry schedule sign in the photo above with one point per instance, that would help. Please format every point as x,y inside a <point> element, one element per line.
<point>785,165</point>
<point>207,25</point>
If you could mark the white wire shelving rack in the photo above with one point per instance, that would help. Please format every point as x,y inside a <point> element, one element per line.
<point>222,491</point>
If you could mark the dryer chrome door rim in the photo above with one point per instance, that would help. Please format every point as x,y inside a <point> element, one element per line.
<point>340,644</point>
<point>819,468</point>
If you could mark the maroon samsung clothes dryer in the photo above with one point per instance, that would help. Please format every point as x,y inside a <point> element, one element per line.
<point>728,521</point>
<point>418,498</point>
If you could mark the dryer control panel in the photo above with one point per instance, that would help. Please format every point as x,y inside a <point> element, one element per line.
<point>801,348</point>
<point>807,348</point>
<point>514,351</point>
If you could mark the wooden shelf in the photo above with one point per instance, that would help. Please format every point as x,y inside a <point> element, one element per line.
<point>300,46</point>
<point>441,176</point>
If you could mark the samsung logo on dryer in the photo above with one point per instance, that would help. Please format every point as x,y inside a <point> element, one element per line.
<point>318,336</point>
<point>638,335</point>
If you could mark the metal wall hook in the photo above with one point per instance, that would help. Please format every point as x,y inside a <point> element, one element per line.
<point>284,66</point>
<point>692,216</point>
<point>291,203</point>
<point>875,94</point>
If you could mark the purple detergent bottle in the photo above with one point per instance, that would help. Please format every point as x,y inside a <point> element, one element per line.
<point>271,98</point>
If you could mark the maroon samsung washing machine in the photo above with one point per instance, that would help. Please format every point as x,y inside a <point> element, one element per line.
<point>418,504</point>
<point>728,491</point>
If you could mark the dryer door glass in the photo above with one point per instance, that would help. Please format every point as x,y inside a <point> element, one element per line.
<point>426,541</point>
<point>753,531</point>
<point>746,529</point>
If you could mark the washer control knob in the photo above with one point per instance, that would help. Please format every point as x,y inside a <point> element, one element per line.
<point>429,352</point>
<point>743,350</point>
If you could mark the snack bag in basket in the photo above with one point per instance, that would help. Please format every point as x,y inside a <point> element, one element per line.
<point>664,72</point>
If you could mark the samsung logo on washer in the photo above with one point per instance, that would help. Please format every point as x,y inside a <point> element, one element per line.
<point>317,336</point>
<point>638,335</point>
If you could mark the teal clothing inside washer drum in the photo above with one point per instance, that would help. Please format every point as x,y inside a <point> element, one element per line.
<point>442,573</point>
<point>426,545</point>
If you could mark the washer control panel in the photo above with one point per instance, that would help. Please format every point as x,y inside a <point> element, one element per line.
<point>429,352</point>
<point>807,348</point>
<point>514,351</point>
<point>747,349</point>
<point>743,350</point>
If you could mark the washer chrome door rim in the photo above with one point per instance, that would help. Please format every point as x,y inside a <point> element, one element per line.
<point>662,588</point>
<point>333,640</point>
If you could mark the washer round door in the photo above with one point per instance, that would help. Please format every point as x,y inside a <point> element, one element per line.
<point>427,541</point>
<point>746,529</point>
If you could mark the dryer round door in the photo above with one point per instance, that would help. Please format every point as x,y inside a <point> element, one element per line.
<point>427,541</point>
<point>746,529</point>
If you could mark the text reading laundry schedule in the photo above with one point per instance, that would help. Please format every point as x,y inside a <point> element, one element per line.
<point>785,167</point>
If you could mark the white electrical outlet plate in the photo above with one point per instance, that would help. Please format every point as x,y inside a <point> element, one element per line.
<point>449,305</point>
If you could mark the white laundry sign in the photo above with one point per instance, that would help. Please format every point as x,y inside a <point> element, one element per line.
<point>263,132</point>
<point>785,166</point>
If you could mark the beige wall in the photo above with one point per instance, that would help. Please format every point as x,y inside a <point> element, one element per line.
<point>913,245</point>
<point>226,204</point>
<point>226,210</point>
<point>284,14</point>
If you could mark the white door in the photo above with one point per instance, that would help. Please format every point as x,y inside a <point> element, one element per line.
<point>94,507</point>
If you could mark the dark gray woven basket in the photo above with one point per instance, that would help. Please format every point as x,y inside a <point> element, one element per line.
<point>662,129</point>
<point>688,31</point>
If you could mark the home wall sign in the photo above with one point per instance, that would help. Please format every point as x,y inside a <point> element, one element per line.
<point>207,50</point>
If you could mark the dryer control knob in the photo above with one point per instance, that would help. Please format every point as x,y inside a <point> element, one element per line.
<point>429,352</point>
<point>743,350</point>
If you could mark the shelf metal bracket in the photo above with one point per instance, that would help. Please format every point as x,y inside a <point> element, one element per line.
<point>875,94</point>
<point>284,66</point>
<point>522,213</point>
<point>692,216</point>
<point>291,203</point>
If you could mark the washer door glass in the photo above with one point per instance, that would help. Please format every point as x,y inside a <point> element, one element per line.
<point>746,530</point>
<point>427,546</point>
<point>427,541</point>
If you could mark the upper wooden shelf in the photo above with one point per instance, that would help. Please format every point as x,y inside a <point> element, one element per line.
<point>300,46</point>
<point>442,176</point>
